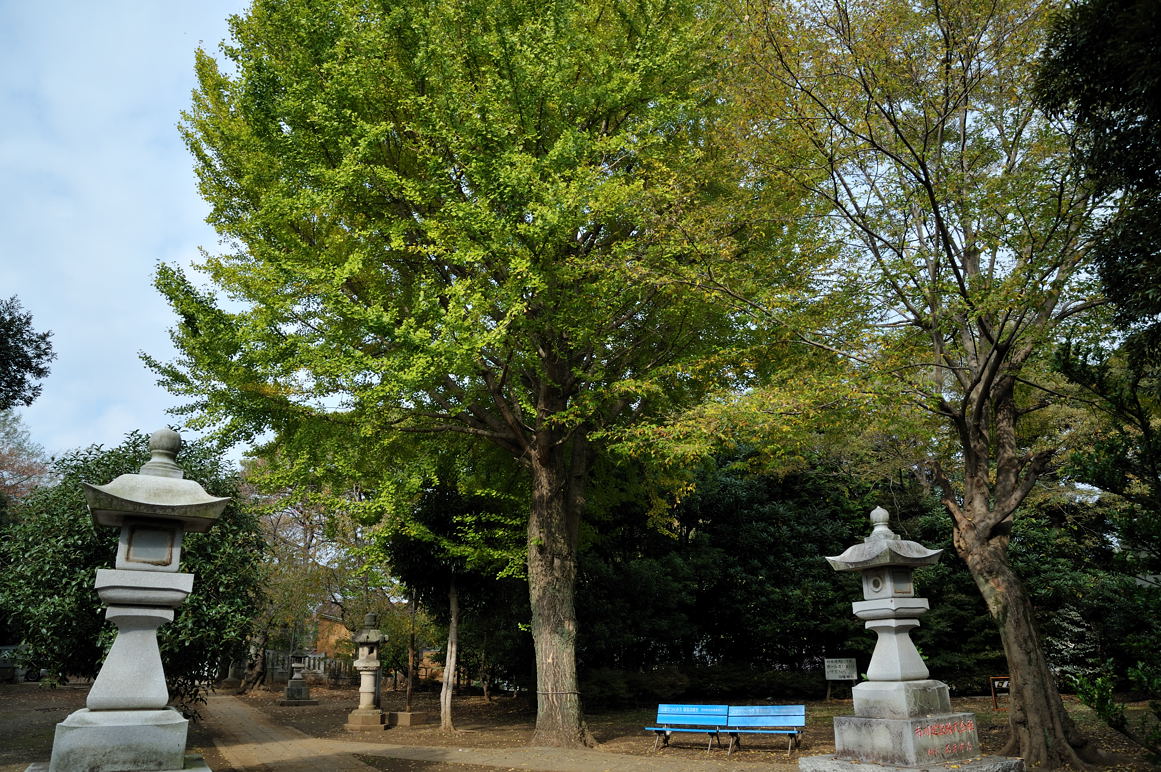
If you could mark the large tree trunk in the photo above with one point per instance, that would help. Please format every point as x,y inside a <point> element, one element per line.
<point>1037,715</point>
<point>558,478</point>
<point>449,663</point>
<point>997,478</point>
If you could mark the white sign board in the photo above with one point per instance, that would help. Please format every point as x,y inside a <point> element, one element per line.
<point>840,670</point>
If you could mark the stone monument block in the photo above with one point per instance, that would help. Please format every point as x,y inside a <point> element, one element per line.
<point>408,718</point>
<point>907,742</point>
<point>115,740</point>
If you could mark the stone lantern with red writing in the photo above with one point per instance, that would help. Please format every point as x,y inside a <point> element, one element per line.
<point>903,718</point>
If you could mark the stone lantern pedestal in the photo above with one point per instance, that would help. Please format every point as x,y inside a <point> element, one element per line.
<point>126,726</point>
<point>369,715</point>
<point>903,718</point>
<point>297,690</point>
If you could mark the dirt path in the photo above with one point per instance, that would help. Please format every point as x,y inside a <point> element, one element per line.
<point>255,734</point>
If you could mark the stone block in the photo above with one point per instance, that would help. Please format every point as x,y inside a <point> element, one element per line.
<point>908,742</point>
<point>297,691</point>
<point>365,720</point>
<point>404,718</point>
<point>978,764</point>
<point>901,699</point>
<point>116,740</point>
<point>193,763</point>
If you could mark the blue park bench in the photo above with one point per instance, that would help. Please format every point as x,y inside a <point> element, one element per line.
<point>734,720</point>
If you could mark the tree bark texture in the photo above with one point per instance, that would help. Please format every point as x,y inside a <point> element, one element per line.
<point>558,478</point>
<point>449,664</point>
<point>411,663</point>
<point>1037,717</point>
<point>256,666</point>
<point>997,478</point>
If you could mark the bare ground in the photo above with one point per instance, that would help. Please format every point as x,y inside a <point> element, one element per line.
<point>29,713</point>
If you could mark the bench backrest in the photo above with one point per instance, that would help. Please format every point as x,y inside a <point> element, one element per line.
<point>766,715</point>
<point>692,715</point>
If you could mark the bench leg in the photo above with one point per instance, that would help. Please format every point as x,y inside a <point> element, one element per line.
<point>735,742</point>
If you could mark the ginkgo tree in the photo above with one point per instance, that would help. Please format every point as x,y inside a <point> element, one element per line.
<point>435,220</point>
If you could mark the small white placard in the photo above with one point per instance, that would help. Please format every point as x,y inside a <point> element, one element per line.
<point>840,670</point>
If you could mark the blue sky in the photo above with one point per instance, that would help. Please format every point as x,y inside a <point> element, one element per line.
<point>96,188</point>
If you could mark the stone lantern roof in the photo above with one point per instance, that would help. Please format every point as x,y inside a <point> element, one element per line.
<point>158,491</point>
<point>883,548</point>
<point>370,632</point>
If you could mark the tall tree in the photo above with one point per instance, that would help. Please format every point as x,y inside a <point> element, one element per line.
<point>1101,72</point>
<point>967,223</point>
<point>453,547</point>
<point>437,215</point>
<point>24,355</point>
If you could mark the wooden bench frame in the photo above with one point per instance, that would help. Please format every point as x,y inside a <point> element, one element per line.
<point>734,720</point>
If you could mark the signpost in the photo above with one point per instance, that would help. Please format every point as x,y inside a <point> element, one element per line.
<point>1000,685</point>
<point>839,670</point>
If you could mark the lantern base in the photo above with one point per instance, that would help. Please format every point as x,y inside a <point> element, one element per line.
<point>901,699</point>
<point>404,718</point>
<point>907,742</point>
<point>115,740</point>
<point>365,720</point>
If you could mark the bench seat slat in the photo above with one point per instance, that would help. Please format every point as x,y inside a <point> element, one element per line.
<point>750,721</point>
<point>737,730</point>
<point>669,718</point>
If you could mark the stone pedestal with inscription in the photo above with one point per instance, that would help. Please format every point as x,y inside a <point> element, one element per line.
<point>126,725</point>
<point>903,718</point>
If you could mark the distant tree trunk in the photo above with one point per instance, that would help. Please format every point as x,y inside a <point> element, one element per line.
<point>449,664</point>
<point>256,665</point>
<point>558,480</point>
<point>485,674</point>
<point>411,655</point>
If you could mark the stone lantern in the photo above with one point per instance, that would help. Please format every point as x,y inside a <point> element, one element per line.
<point>297,690</point>
<point>889,606</point>
<point>368,716</point>
<point>126,724</point>
<point>903,718</point>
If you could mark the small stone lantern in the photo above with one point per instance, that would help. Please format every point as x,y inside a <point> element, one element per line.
<point>368,716</point>
<point>903,719</point>
<point>297,690</point>
<point>126,724</point>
